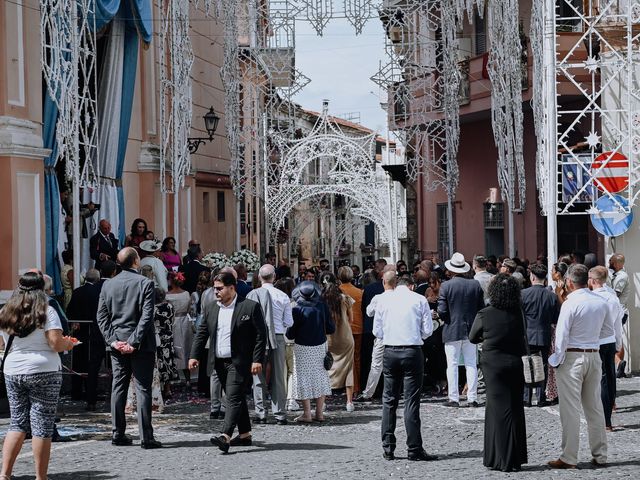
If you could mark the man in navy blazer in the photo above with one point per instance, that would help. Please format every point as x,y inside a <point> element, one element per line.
<point>459,301</point>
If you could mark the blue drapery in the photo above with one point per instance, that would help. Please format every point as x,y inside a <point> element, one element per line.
<point>138,16</point>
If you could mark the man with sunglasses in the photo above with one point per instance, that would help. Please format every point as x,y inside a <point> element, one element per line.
<point>236,332</point>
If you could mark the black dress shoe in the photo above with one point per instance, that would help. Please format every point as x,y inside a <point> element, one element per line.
<point>361,398</point>
<point>151,444</point>
<point>241,442</point>
<point>60,439</point>
<point>388,456</point>
<point>421,456</point>
<point>260,420</point>
<point>220,442</point>
<point>122,441</point>
<point>620,370</point>
<point>451,404</point>
<point>282,422</point>
<point>214,415</point>
<point>476,405</point>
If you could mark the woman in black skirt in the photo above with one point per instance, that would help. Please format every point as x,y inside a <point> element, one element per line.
<point>500,328</point>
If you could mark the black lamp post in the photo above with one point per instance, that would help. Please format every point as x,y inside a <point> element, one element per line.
<point>210,124</point>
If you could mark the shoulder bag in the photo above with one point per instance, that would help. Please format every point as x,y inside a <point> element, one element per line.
<point>533,366</point>
<point>327,362</point>
<point>7,347</point>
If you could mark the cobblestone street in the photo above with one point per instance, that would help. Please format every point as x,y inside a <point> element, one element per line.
<point>347,445</point>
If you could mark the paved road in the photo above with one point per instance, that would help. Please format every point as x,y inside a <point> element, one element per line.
<point>348,445</point>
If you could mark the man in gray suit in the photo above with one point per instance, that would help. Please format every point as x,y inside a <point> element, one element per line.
<point>458,303</point>
<point>125,317</point>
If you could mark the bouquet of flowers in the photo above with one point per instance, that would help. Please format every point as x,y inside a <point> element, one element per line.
<point>246,257</point>
<point>215,260</point>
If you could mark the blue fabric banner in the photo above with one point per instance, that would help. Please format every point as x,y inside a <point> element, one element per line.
<point>137,13</point>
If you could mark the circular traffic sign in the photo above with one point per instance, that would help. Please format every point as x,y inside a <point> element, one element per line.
<point>611,219</point>
<point>614,176</point>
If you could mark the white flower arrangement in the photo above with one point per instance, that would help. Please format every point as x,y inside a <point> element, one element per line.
<point>247,258</point>
<point>216,260</point>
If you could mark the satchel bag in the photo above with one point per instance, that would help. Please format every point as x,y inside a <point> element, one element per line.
<point>532,364</point>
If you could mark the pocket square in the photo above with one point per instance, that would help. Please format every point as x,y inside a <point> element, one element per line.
<point>245,317</point>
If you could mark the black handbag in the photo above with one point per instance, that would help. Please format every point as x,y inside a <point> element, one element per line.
<point>7,347</point>
<point>327,361</point>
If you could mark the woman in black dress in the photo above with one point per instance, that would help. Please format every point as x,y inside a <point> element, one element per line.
<point>500,328</point>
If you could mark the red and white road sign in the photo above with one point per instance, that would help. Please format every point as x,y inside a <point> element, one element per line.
<point>614,176</point>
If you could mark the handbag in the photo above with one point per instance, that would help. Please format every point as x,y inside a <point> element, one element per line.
<point>533,366</point>
<point>327,361</point>
<point>7,347</point>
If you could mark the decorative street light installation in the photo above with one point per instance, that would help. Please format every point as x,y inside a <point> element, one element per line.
<point>210,124</point>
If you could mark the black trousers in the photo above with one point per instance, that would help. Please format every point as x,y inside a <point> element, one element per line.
<point>608,382</point>
<point>140,365</point>
<point>234,384</point>
<point>402,368</point>
<point>365,357</point>
<point>540,390</point>
<point>97,352</point>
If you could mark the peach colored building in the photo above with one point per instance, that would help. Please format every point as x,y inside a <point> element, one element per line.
<point>207,206</point>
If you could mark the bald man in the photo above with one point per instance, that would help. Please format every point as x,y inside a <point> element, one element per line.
<point>103,245</point>
<point>125,318</point>
<point>276,308</point>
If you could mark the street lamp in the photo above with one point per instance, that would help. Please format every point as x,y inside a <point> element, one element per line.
<point>210,124</point>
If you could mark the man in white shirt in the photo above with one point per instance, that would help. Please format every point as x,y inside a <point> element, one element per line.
<point>148,248</point>
<point>482,276</point>
<point>610,339</point>
<point>281,319</point>
<point>579,369</point>
<point>402,321</point>
<point>620,284</point>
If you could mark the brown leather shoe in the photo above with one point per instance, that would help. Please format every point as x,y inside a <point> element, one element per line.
<point>559,464</point>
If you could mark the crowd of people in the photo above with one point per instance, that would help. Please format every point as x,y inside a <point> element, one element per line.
<point>293,340</point>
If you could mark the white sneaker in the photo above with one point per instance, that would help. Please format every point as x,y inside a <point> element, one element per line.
<point>293,406</point>
<point>350,407</point>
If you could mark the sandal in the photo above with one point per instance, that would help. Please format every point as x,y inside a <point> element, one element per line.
<point>303,419</point>
<point>319,419</point>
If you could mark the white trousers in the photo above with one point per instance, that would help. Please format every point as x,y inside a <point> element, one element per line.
<point>578,380</point>
<point>470,355</point>
<point>377,356</point>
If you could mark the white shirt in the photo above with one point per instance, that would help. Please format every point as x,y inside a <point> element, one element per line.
<point>620,283</point>
<point>612,328</point>
<point>159,271</point>
<point>280,309</point>
<point>32,354</point>
<point>582,316</point>
<point>402,317</point>
<point>223,335</point>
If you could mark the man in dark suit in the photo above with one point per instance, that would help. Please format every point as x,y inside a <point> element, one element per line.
<point>88,356</point>
<point>103,245</point>
<point>541,309</point>
<point>193,269</point>
<point>237,336</point>
<point>459,301</point>
<point>125,317</point>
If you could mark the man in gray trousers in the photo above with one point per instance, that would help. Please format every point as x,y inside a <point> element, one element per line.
<point>125,317</point>
<point>276,308</point>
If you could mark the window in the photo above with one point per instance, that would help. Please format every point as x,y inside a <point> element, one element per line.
<point>443,231</point>
<point>221,207</point>
<point>205,207</point>
<point>481,33</point>
<point>493,215</point>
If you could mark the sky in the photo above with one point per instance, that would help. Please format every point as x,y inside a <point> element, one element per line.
<point>340,65</point>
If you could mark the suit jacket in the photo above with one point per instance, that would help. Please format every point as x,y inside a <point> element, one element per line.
<point>192,271</point>
<point>98,245</point>
<point>459,301</point>
<point>541,309</point>
<point>263,297</point>
<point>125,311</point>
<point>369,292</point>
<point>84,306</point>
<point>248,335</point>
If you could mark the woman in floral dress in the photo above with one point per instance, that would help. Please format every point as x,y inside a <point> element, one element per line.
<point>165,357</point>
<point>557,274</point>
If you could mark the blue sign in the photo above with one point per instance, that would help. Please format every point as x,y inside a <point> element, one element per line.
<point>609,220</point>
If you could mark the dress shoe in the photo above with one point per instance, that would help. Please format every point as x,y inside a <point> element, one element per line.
<point>214,415</point>
<point>241,442</point>
<point>451,404</point>
<point>59,438</point>
<point>388,456</point>
<point>543,403</point>
<point>122,441</point>
<point>282,421</point>
<point>598,464</point>
<point>476,405</point>
<point>620,370</point>
<point>560,465</point>
<point>151,444</point>
<point>260,420</point>
<point>221,443</point>
<point>421,456</point>
<point>361,398</point>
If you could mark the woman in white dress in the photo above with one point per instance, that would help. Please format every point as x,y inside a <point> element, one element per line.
<point>183,325</point>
